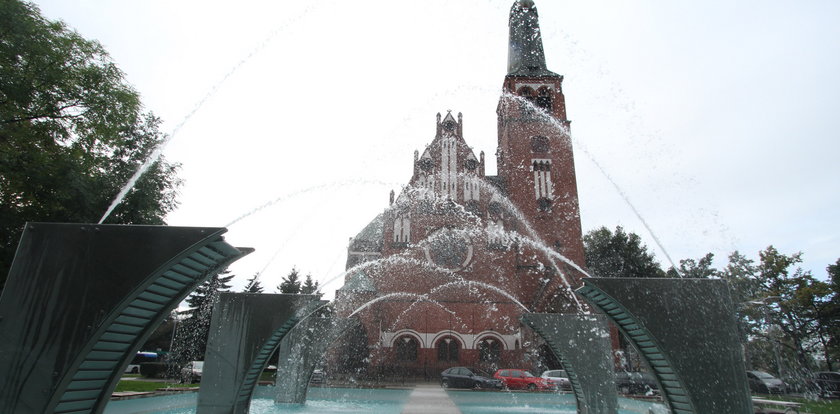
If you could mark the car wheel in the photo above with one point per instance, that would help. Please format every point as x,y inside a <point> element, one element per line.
<point>444,383</point>
<point>531,387</point>
<point>135,370</point>
<point>476,385</point>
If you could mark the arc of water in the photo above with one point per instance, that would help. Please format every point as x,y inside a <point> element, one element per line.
<point>534,243</point>
<point>291,234</point>
<point>563,129</point>
<point>158,151</point>
<point>462,281</point>
<point>398,294</point>
<point>401,258</point>
<point>324,186</point>
<point>513,209</point>
<point>534,240</point>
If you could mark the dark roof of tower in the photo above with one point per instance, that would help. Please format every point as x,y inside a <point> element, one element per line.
<point>359,282</point>
<point>371,237</point>
<point>525,48</point>
<point>497,182</point>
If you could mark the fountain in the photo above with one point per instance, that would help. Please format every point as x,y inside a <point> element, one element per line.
<point>81,299</point>
<point>245,331</point>
<point>454,272</point>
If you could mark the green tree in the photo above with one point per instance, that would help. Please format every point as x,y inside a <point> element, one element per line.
<point>739,274</point>
<point>830,317</point>
<point>254,285</point>
<point>72,132</point>
<point>309,287</point>
<point>783,309</point>
<point>619,254</point>
<point>290,283</point>
<point>696,269</point>
<point>779,279</point>
<point>191,337</point>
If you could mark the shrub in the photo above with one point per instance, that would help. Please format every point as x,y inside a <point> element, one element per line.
<point>153,369</point>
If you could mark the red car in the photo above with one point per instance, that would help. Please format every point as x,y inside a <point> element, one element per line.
<point>520,379</point>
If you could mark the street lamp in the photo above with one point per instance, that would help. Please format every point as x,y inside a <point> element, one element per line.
<point>765,302</point>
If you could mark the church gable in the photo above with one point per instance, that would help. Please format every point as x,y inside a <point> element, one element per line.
<point>448,166</point>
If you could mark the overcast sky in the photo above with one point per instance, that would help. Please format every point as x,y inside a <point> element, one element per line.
<point>716,119</point>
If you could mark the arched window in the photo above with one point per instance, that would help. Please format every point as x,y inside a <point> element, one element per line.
<point>489,350</point>
<point>402,229</point>
<point>447,349</point>
<point>544,99</point>
<point>526,93</point>
<point>544,204</point>
<point>543,186</point>
<point>406,348</point>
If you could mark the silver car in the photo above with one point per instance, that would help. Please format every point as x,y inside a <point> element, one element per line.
<point>559,378</point>
<point>191,373</point>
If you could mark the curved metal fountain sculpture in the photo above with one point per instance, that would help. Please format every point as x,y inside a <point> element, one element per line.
<point>582,343</point>
<point>81,299</point>
<point>245,331</point>
<point>686,331</point>
<point>300,352</point>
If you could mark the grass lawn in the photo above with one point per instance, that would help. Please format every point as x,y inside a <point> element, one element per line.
<point>144,386</point>
<point>813,407</point>
<point>820,407</point>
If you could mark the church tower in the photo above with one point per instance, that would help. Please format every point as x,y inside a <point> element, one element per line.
<point>535,158</point>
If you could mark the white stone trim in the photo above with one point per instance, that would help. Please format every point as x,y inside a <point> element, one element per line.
<point>492,334</point>
<point>392,339</point>
<point>467,341</point>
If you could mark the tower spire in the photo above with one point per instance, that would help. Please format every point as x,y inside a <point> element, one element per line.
<point>525,49</point>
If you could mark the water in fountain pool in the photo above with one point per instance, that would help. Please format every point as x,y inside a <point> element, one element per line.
<point>385,401</point>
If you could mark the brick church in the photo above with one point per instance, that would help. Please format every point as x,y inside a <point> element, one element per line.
<point>448,268</point>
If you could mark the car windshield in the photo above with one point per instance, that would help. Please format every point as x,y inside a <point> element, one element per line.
<point>527,374</point>
<point>763,375</point>
<point>198,364</point>
<point>480,372</point>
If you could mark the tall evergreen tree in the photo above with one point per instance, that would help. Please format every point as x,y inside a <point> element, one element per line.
<point>254,285</point>
<point>309,287</point>
<point>191,337</point>
<point>290,283</point>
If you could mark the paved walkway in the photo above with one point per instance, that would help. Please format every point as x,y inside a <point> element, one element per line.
<point>429,398</point>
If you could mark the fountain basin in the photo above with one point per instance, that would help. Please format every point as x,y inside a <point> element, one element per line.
<point>380,400</point>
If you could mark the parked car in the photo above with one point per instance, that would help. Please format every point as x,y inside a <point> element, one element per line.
<point>318,377</point>
<point>520,379</point>
<point>559,377</point>
<point>828,384</point>
<point>191,373</point>
<point>639,383</point>
<point>463,377</point>
<point>764,383</point>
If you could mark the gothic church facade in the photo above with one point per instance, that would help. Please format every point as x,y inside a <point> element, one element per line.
<point>448,268</point>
